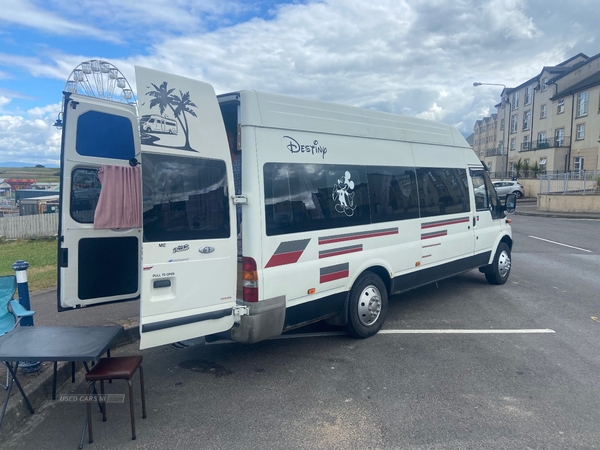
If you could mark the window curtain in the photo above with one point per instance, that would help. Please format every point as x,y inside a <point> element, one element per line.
<point>119,205</point>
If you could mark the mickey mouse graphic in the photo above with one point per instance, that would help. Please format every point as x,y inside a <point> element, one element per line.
<point>342,191</point>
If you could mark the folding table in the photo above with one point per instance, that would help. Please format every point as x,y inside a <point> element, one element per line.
<point>52,344</point>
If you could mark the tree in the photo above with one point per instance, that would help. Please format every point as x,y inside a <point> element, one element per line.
<point>526,169</point>
<point>535,168</point>
<point>180,105</point>
<point>518,166</point>
<point>39,166</point>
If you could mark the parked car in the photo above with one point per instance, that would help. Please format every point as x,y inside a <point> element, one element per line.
<point>509,187</point>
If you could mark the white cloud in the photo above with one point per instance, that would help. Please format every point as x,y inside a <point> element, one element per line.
<point>403,56</point>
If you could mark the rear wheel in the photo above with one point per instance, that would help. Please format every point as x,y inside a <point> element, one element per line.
<point>500,268</point>
<point>367,306</point>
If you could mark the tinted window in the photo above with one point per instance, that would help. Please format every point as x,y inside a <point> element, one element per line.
<point>105,136</point>
<point>304,197</point>
<point>393,193</point>
<point>85,191</point>
<point>184,198</point>
<point>442,191</point>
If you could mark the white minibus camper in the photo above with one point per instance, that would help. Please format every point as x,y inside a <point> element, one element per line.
<point>339,208</point>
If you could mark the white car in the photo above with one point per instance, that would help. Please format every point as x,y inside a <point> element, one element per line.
<point>508,187</point>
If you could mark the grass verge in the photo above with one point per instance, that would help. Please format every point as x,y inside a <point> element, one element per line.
<point>39,253</point>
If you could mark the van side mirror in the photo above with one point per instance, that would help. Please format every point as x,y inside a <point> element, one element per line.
<point>511,203</point>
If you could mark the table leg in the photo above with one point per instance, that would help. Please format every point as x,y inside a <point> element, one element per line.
<point>13,372</point>
<point>13,379</point>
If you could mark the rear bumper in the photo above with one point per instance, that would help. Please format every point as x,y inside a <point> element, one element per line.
<point>265,321</point>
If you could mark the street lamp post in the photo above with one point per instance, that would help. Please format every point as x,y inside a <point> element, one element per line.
<point>504,143</point>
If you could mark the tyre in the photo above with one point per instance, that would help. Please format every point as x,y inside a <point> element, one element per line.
<point>367,306</point>
<point>518,194</point>
<point>500,268</point>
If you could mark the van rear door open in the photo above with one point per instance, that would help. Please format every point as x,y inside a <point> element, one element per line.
<point>182,263</point>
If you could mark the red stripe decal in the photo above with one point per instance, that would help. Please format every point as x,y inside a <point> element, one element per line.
<point>284,258</point>
<point>334,276</point>
<point>434,235</point>
<point>357,236</point>
<point>340,252</point>
<point>444,223</point>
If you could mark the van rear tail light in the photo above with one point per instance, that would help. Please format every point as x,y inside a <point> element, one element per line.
<point>249,279</point>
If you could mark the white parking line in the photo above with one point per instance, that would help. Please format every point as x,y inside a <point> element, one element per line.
<point>558,243</point>
<point>452,331</point>
<point>530,331</point>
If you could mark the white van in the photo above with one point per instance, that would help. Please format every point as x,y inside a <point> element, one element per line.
<point>340,207</point>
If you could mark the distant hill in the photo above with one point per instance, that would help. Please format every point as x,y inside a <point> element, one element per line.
<point>22,164</point>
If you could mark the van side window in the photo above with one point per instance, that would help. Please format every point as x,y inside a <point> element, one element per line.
<point>306,197</point>
<point>393,193</point>
<point>486,198</point>
<point>442,191</point>
<point>184,198</point>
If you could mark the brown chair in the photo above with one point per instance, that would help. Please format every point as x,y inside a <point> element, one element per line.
<point>115,368</point>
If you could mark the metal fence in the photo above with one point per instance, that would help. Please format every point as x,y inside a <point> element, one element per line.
<point>583,182</point>
<point>23,227</point>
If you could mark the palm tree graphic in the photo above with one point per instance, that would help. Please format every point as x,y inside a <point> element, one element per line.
<point>180,105</point>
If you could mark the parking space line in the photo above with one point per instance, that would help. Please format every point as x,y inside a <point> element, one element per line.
<point>455,331</point>
<point>558,243</point>
<point>451,331</point>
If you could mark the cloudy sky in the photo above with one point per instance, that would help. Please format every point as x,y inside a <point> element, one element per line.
<point>412,57</point>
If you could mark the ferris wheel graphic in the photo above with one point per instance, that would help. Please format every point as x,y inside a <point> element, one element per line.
<point>100,79</point>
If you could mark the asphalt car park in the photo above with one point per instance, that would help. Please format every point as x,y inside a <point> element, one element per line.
<point>460,364</point>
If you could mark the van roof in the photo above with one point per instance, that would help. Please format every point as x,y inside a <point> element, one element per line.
<point>291,113</point>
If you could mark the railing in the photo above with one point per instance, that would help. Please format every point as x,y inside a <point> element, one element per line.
<point>584,182</point>
<point>546,143</point>
<point>494,151</point>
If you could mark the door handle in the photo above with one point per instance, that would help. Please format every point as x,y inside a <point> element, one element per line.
<point>474,221</point>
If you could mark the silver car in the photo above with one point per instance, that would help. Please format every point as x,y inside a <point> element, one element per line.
<point>508,187</point>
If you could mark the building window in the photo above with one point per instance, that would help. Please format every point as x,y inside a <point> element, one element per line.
<point>543,112</point>
<point>516,100</point>
<point>543,165</point>
<point>544,84</point>
<point>513,144</point>
<point>541,139</point>
<point>582,104</point>
<point>502,125</point>
<point>528,94</point>
<point>526,120</point>
<point>561,107</point>
<point>560,137</point>
<point>513,124</point>
<point>578,164</point>
<point>580,131</point>
<point>526,143</point>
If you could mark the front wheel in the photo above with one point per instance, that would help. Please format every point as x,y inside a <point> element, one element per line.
<point>500,268</point>
<point>367,306</point>
<point>518,194</point>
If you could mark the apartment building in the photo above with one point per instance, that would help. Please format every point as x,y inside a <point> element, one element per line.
<point>485,137</point>
<point>551,121</point>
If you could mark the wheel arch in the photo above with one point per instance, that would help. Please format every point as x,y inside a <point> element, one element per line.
<point>377,269</point>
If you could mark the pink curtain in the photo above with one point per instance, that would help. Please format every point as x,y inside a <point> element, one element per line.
<point>119,205</point>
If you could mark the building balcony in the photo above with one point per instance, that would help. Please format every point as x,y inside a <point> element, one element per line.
<point>546,143</point>
<point>494,151</point>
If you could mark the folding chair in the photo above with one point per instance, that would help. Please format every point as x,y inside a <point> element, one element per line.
<point>11,311</point>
